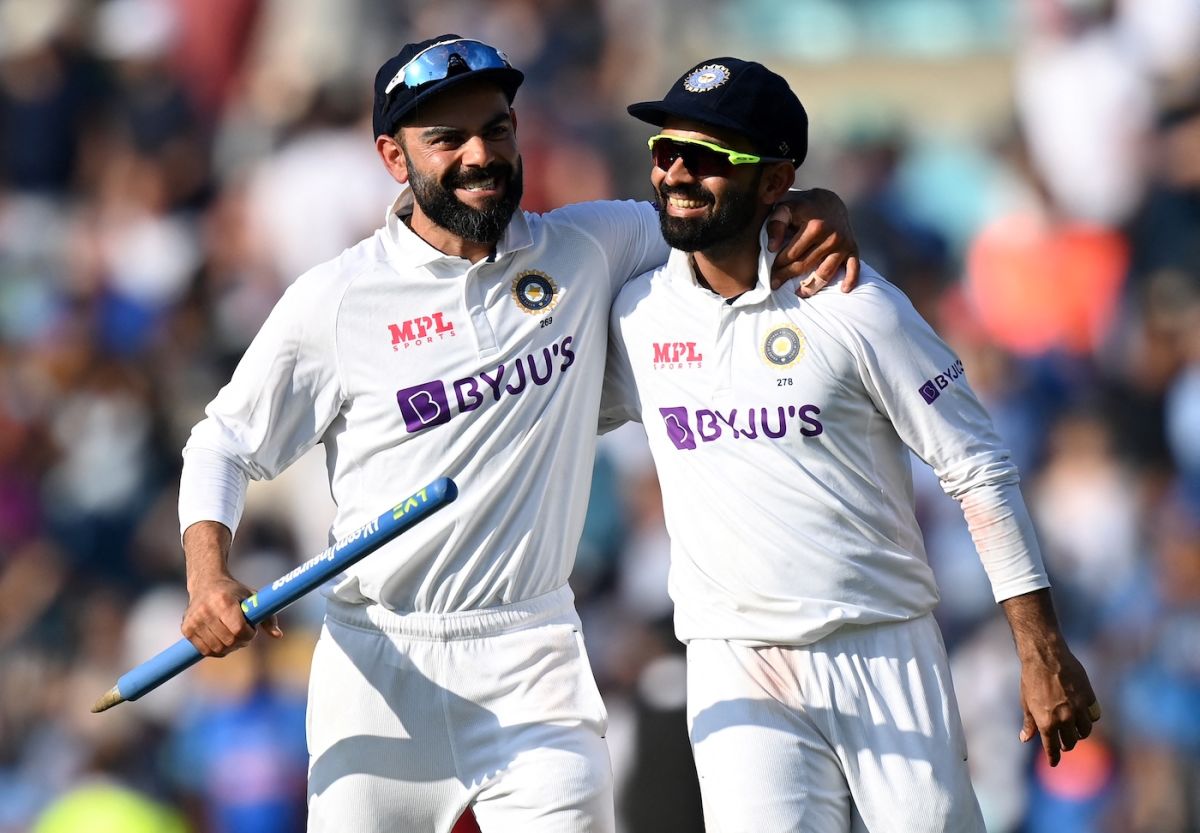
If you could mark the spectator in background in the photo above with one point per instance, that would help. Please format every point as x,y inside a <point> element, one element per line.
<point>1087,147</point>
<point>48,96</point>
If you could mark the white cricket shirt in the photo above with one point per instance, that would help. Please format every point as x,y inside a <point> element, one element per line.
<point>408,364</point>
<point>781,429</point>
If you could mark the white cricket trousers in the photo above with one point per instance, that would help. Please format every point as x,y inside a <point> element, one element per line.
<point>858,731</point>
<point>413,717</point>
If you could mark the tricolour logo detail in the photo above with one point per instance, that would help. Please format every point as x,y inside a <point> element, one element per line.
<point>783,346</point>
<point>535,292</point>
<point>706,78</point>
<point>931,389</point>
<point>420,330</point>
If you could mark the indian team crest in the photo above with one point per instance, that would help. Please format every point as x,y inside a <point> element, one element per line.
<point>783,346</point>
<point>535,292</point>
<point>705,78</point>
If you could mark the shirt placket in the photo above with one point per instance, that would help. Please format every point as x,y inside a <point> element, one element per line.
<point>723,350</point>
<point>476,303</point>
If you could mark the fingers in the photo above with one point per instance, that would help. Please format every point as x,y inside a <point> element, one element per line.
<point>1083,726</point>
<point>1051,746</point>
<point>1029,728</point>
<point>813,245</point>
<point>850,280</point>
<point>212,639</point>
<point>1062,730</point>
<point>777,226</point>
<point>215,625</point>
<point>810,286</point>
<point>271,626</point>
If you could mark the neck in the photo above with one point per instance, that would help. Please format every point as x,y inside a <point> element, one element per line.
<point>729,268</point>
<point>446,241</point>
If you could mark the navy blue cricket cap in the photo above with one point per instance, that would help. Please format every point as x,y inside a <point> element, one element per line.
<point>424,69</point>
<point>742,96</point>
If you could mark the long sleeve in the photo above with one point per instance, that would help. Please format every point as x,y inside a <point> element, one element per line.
<point>920,385</point>
<point>283,395</point>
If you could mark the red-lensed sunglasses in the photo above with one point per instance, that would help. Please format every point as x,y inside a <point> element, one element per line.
<point>701,158</point>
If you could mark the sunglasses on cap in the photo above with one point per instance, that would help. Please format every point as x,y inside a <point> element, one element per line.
<point>701,158</point>
<point>437,62</point>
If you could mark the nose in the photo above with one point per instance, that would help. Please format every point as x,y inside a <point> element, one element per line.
<point>678,173</point>
<point>476,153</point>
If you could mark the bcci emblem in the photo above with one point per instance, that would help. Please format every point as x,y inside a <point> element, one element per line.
<point>705,78</point>
<point>783,346</point>
<point>535,292</point>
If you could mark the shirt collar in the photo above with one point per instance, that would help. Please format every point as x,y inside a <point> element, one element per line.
<point>681,263</point>
<point>410,247</point>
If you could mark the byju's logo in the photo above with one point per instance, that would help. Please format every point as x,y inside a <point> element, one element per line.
<point>678,430</point>
<point>686,429</point>
<point>932,388</point>
<point>424,406</point>
<point>428,404</point>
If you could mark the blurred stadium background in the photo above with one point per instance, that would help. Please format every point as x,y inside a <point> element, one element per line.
<point>1027,171</point>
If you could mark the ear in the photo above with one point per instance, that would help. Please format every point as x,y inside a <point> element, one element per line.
<point>393,157</point>
<point>512,114</point>
<point>777,178</point>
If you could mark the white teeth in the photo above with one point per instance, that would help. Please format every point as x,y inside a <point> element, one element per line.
<point>482,186</point>
<point>679,203</point>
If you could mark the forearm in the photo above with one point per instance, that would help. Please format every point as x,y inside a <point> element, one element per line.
<point>1034,625</point>
<point>206,553</point>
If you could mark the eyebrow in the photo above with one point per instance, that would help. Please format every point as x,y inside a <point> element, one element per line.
<point>441,132</point>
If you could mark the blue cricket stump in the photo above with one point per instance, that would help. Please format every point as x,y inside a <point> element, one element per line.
<point>288,588</point>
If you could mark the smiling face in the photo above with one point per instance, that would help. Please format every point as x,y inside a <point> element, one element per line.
<point>459,154</point>
<point>701,212</point>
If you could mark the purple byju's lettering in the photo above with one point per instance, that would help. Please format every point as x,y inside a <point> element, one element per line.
<point>931,389</point>
<point>426,405</point>
<point>684,427</point>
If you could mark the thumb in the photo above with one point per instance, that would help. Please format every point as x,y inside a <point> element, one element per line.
<point>1029,730</point>
<point>271,626</point>
<point>777,224</point>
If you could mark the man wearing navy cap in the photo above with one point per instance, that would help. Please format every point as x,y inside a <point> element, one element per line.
<point>819,693</point>
<point>464,338</point>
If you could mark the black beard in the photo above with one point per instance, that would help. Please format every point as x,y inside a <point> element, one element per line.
<point>479,225</point>
<point>730,218</point>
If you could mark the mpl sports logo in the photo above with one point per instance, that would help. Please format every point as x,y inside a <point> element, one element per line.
<point>932,388</point>
<point>685,427</point>
<point>423,329</point>
<point>673,355</point>
<point>429,404</point>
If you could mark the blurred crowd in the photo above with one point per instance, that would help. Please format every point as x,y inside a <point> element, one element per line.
<point>167,167</point>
